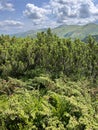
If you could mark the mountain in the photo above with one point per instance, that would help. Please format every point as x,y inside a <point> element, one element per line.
<point>66,31</point>
<point>31,33</point>
<point>77,31</point>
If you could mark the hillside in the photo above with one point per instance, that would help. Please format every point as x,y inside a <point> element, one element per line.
<point>65,31</point>
<point>76,31</point>
<point>31,33</point>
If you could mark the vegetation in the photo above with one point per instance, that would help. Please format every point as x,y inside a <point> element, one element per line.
<point>48,83</point>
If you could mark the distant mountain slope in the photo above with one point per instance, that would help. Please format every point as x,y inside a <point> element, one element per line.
<point>31,33</point>
<point>72,31</point>
<point>76,31</point>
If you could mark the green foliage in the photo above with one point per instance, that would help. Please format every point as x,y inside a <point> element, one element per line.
<point>48,83</point>
<point>8,86</point>
<point>65,106</point>
<point>48,54</point>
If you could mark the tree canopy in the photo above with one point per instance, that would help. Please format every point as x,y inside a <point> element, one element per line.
<point>48,83</point>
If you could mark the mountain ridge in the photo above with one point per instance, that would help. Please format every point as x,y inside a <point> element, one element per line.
<point>67,31</point>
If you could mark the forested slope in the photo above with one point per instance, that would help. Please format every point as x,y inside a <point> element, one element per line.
<point>48,83</point>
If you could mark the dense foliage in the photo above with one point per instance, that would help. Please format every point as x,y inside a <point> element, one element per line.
<point>48,83</point>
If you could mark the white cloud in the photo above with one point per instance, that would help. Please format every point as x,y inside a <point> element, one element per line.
<point>8,24</point>
<point>58,12</point>
<point>36,14</point>
<point>4,5</point>
<point>74,11</point>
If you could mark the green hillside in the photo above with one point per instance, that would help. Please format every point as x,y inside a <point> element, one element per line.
<point>65,31</point>
<point>31,33</point>
<point>76,31</point>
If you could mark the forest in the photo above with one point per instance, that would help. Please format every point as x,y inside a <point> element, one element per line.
<point>48,83</point>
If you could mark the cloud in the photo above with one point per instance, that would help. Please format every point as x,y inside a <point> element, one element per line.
<point>74,11</point>
<point>8,24</point>
<point>36,14</point>
<point>58,12</point>
<point>4,5</point>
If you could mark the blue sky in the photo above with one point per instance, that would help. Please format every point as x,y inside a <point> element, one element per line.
<point>22,15</point>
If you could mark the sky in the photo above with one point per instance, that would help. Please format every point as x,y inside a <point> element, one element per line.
<point>22,15</point>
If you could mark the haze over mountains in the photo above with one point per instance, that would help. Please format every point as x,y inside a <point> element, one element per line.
<point>66,31</point>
